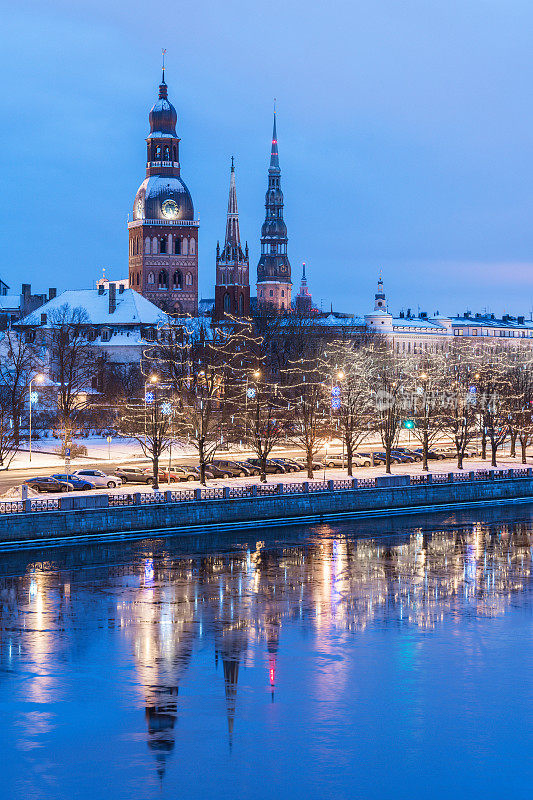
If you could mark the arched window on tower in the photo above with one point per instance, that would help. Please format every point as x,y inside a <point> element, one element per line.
<point>151,277</point>
<point>147,245</point>
<point>188,279</point>
<point>162,279</point>
<point>167,154</point>
<point>163,245</point>
<point>192,247</point>
<point>241,304</point>
<point>158,153</point>
<point>177,280</point>
<point>227,303</point>
<point>175,150</point>
<point>177,246</point>
<point>184,248</point>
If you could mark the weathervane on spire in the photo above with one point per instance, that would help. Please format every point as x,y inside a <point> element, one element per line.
<point>163,51</point>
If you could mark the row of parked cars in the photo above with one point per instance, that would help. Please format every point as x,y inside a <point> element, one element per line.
<point>86,479</point>
<point>81,480</point>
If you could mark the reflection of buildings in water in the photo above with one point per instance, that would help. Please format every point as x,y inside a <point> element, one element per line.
<point>241,601</point>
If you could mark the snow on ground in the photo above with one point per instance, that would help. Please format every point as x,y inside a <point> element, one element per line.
<point>439,467</point>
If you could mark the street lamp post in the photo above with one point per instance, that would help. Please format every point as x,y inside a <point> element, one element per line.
<point>326,458</point>
<point>39,378</point>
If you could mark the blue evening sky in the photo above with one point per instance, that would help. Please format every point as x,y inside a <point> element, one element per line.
<point>404,135</point>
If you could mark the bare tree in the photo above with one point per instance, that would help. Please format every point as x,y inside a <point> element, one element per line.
<point>206,368</point>
<point>427,391</point>
<point>521,398</point>
<point>388,380</point>
<point>9,440</point>
<point>348,363</point>
<point>459,411</point>
<point>265,419</point>
<point>73,364</point>
<point>18,364</point>
<point>494,390</point>
<point>149,423</point>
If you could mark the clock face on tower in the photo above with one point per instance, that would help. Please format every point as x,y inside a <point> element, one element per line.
<point>170,209</point>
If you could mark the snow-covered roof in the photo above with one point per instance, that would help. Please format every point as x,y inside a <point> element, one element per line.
<point>416,322</point>
<point>9,302</point>
<point>131,308</point>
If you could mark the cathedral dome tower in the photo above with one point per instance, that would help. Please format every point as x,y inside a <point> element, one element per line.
<point>163,246</point>
<point>274,269</point>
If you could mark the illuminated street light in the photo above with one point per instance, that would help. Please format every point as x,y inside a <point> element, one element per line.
<point>341,375</point>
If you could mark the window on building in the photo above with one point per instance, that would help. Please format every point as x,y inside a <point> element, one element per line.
<point>163,245</point>
<point>177,246</point>
<point>192,247</point>
<point>271,293</point>
<point>241,304</point>
<point>167,154</point>
<point>188,279</point>
<point>151,277</point>
<point>105,335</point>
<point>162,279</point>
<point>177,280</point>
<point>227,303</point>
<point>283,292</point>
<point>158,153</point>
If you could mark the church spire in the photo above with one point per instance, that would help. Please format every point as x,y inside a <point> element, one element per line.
<point>379,298</point>
<point>232,289</point>
<point>274,155</point>
<point>274,269</point>
<point>233,237</point>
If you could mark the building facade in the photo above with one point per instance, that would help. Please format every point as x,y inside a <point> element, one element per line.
<point>163,236</point>
<point>232,288</point>
<point>274,270</point>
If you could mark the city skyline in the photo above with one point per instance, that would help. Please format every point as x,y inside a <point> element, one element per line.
<point>412,146</point>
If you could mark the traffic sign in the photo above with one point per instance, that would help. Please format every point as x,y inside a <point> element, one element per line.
<point>67,452</point>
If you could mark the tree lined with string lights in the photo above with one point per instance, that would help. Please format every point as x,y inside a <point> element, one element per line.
<point>206,368</point>
<point>149,422</point>
<point>520,375</point>
<point>460,407</point>
<point>388,379</point>
<point>426,391</point>
<point>349,364</point>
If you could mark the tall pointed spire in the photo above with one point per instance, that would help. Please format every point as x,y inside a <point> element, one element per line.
<point>232,289</point>
<point>233,237</point>
<point>274,269</point>
<point>274,155</point>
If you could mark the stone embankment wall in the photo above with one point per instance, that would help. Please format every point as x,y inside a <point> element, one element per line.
<point>190,516</point>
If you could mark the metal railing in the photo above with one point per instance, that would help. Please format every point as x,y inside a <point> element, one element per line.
<point>215,493</point>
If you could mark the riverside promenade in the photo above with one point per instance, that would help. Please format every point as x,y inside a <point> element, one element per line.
<point>189,511</point>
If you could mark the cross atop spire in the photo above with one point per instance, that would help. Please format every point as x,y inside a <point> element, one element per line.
<point>163,52</point>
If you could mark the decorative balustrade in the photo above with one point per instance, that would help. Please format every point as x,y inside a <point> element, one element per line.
<point>253,490</point>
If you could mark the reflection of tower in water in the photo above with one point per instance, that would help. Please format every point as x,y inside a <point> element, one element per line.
<point>160,620</point>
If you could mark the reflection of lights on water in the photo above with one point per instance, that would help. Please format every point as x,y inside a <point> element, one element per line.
<point>149,570</point>
<point>33,588</point>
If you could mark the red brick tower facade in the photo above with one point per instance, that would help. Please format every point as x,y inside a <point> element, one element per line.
<point>163,236</point>
<point>232,288</point>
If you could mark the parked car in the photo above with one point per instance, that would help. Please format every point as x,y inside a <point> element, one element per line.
<point>287,463</point>
<point>99,478</point>
<point>415,452</point>
<point>135,475</point>
<point>74,484</point>
<point>361,460</point>
<point>334,461</point>
<point>270,468</point>
<point>180,473</point>
<point>47,484</point>
<point>433,455</point>
<point>232,467</point>
<point>374,458</point>
<point>217,472</point>
<point>302,463</point>
<point>405,458</point>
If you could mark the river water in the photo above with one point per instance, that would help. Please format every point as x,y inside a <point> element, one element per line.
<point>371,659</point>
